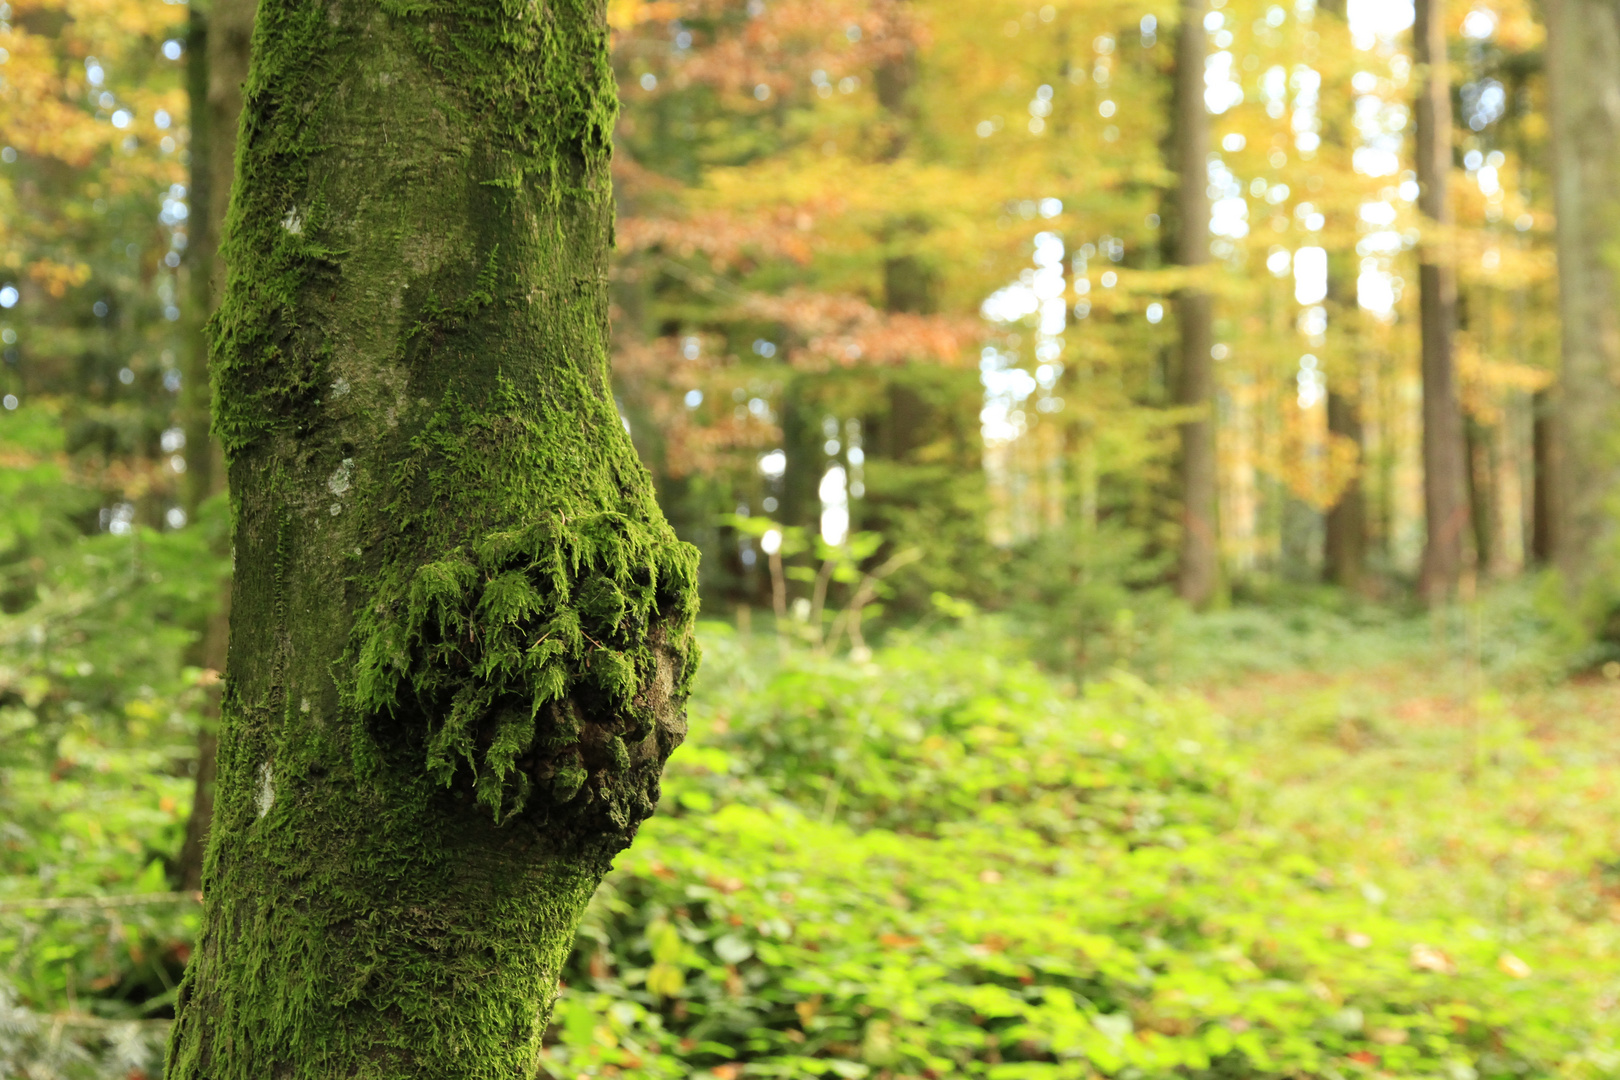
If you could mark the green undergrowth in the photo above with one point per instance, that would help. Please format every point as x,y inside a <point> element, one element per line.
<point>946,863</point>
<point>1515,632</point>
<point>518,628</point>
<point>99,710</point>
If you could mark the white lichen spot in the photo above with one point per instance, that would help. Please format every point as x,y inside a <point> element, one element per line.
<point>342,477</point>
<point>267,791</point>
<point>303,704</point>
<point>292,222</point>
<point>335,509</point>
<point>340,388</point>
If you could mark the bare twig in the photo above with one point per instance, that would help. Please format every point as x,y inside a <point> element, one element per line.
<point>850,618</point>
<point>779,598</point>
<point>818,599</point>
<point>98,1023</point>
<point>99,903</point>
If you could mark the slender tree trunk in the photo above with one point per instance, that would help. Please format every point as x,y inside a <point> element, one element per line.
<point>461,630</point>
<point>1344,532</point>
<point>905,419</point>
<point>1544,465</point>
<point>1444,477</point>
<point>1345,528</point>
<point>1200,566</point>
<point>201,241</point>
<point>1480,443</point>
<point>217,66</point>
<point>1536,534</point>
<point>1583,65</point>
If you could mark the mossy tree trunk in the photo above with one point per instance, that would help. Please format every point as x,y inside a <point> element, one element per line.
<point>1444,500</point>
<point>1583,68</point>
<point>1200,564</point>
<point>460,628</point>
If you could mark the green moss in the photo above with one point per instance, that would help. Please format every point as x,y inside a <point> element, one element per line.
<point>483,639</point>
<point>546,126</point>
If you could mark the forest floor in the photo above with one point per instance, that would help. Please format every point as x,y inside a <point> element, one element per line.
<point>1369,842</point>
<point>1299,840</point>
<point>1487,789</point>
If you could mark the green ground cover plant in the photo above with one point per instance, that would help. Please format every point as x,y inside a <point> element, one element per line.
<point>99,710</point>
<point>946,863</point>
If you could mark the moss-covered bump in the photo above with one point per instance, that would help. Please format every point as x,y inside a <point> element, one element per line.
<point>530,648</point>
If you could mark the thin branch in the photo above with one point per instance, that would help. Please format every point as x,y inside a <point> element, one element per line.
<point>850,618</point>
<point>98,1023</point>
<point>99,903</point>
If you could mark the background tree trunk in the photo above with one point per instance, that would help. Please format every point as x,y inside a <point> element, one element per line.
<point>1345,528</point>
<point>461,628</point>
<point>1583,66</point>
<point>217,66</point>
<point>1484,511</point>
<point>1544,497</point>
<point>1200,565</point>
<point>1445,508</point>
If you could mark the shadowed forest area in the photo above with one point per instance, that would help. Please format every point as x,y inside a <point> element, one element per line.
<point>1154,465</point>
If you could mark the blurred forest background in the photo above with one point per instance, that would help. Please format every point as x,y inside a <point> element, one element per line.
<point>1154,469</point>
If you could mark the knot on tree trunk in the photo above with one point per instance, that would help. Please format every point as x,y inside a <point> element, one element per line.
<point>548,664</point>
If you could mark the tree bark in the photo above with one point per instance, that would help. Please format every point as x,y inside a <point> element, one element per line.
<point>217,66</point>
<point>1345,527</point>
<point>1445,508</point>
<point>1479,440</point>
<point>1544,496</point>
<point>1344,532</point>
<point>201,242</point>
<point>461,630</point>
<point>1583,66</point>
<point>1200,566</point>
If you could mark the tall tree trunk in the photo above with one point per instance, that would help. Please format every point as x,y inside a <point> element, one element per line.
<point>217,66</point>
<point>1583,65</point>
<point>1200,567</point>
<point>1544,494</point>
<point>1444,477</point>
<point>461,630</point>
<point>1345,528</point>
<point>1344,532</point>
<point>1538,516</point>
<point>201,242</point>
<point>1480,442</point>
